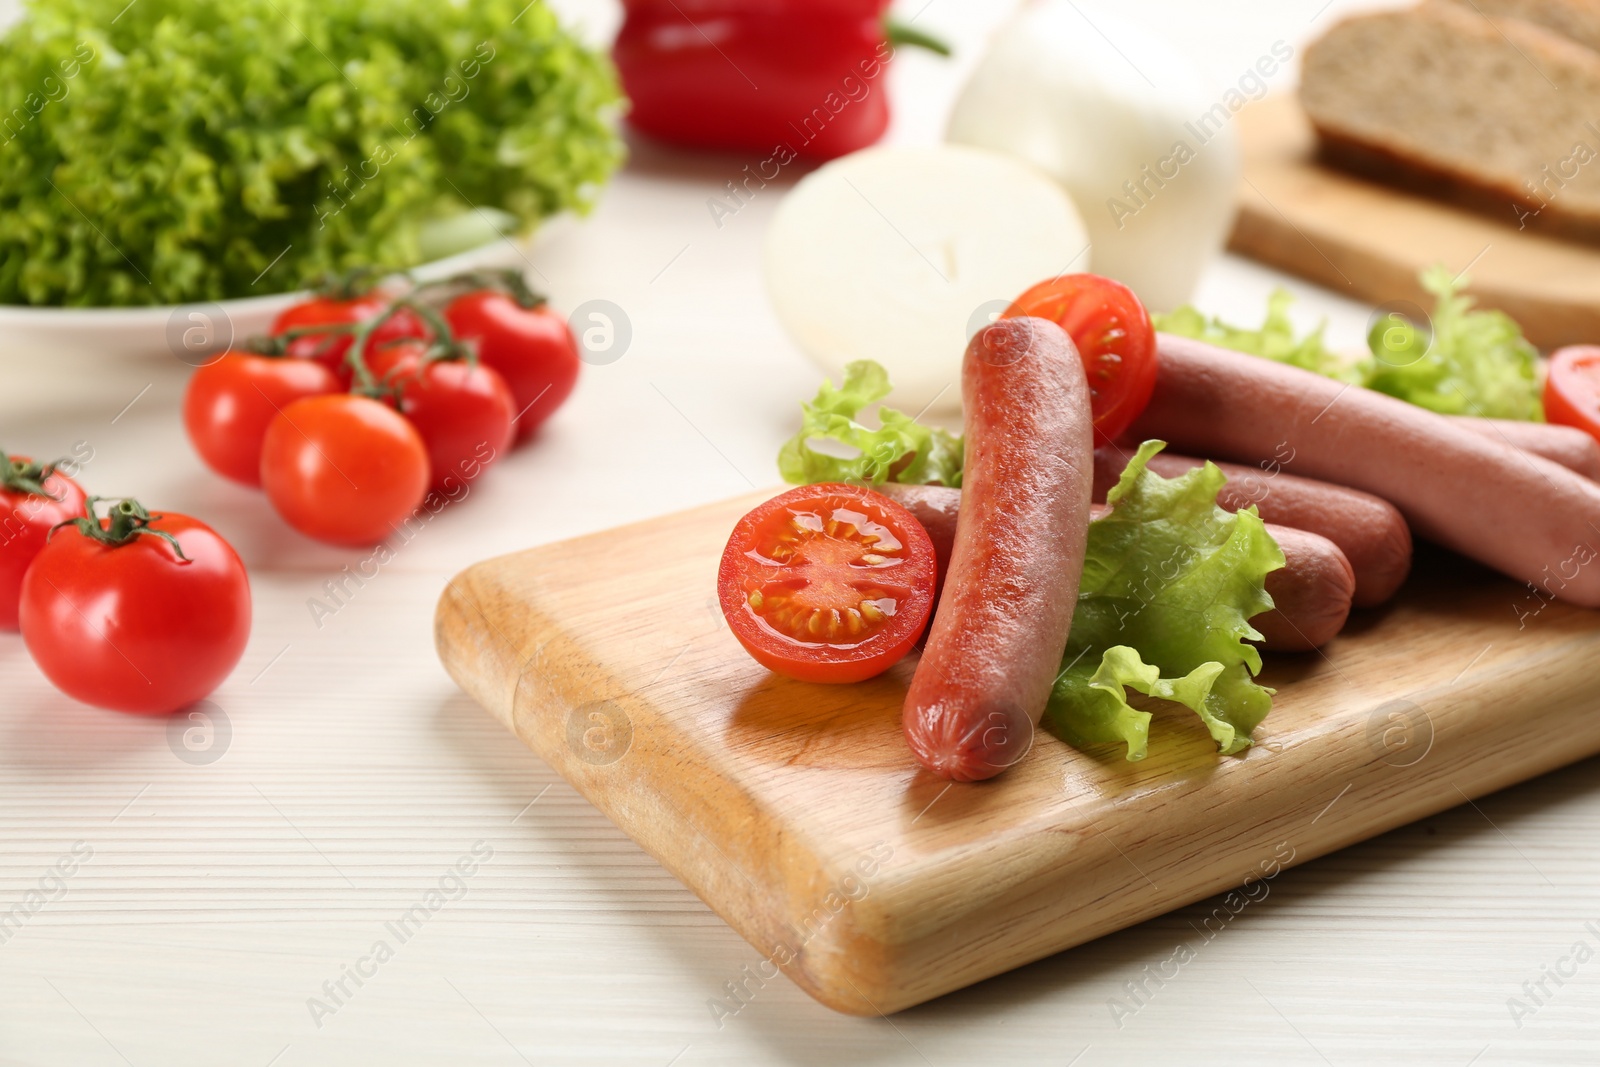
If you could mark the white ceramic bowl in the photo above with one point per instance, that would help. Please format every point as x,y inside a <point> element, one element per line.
<point>194,331</point>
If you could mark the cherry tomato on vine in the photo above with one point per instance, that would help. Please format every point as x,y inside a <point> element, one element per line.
<point>345,469</point>
<point>828,583</point>
<point>1572,389</point>
<point>136,612</point>
<point>231,402</point>
<point>34,499</point>
<point>463,411</point>
<point>531,346</point>
<point>1115,340</point>
<point>329,349</point>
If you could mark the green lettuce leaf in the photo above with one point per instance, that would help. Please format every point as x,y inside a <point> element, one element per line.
<point>899,449</point>
<point>1170,582</point>
<point>1468,363</point>
<point>1473,363</point>
<point>1274,339</point>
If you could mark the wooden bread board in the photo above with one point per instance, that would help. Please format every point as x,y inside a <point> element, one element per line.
<point>1368,240</point>
<point>795,810</point>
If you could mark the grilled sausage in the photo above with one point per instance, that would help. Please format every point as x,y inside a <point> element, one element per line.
<point>1312,593</point>
<point>1371,533</point>
<point>1519,513</point>
<point>996,642</point>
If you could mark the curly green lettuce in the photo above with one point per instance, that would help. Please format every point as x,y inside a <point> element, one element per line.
<point>1274,339</point>
<point>182,150</point>
<point>1463,362</point>
<point>1170,583</point>
<point>1469,363</point>
<point>898,449</point>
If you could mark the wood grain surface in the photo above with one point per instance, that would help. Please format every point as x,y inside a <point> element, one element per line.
<point>797,814</point>
<point>1368,240</point>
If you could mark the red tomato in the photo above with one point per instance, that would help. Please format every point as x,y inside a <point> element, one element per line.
<point>463,412</point>
<point>131,626</point>
<point>1115,340</point>
<point>828,583</point>
<point>329,348</point>
<point>532,348</point>
<point>344,468</point>
<point>26,519</point>
<point>230,404</point>
<point>1572,389</point>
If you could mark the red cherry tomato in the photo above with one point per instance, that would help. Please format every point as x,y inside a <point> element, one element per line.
<point>532,348</point>
<point>130,626</point>
<point>1572,389</point>
<point>231,402</point>
<point>26,519</point>
<point>329,348</point>
<point>1115,340</point>
<point>463,412</point>
<point>343,469</point>
<point>828,583</point>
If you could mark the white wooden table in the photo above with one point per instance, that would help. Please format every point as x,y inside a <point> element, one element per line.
<point>216,908</point>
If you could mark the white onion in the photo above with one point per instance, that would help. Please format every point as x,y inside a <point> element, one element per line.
<point>898,254</point>
<point>1051,90</point>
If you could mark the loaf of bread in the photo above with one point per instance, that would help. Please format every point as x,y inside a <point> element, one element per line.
<point>1480,101</point>
<point>1577,20</point>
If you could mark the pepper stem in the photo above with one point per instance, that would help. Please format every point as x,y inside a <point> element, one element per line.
<point>900,32</point>
<point>125,521</point>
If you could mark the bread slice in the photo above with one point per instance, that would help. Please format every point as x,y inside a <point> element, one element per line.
<point>1500,114</point>
<point>1576,20</point>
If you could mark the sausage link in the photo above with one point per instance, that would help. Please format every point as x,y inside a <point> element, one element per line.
<point>1371,532</point>
<point>1511,510</point>
<point>1566,445</point>
<point>996,642</point>
<point>1311,594</point>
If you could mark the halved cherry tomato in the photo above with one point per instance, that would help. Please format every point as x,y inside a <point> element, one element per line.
<point>1115,340</point>
<point>34,499</point>
<point>1572,389</point>
<point>136,612</point>
<point>231,402</point>
<point>345,469</point>
<point>463,411</point>
<point>329,348</point>
<point>828,583</point>
<point>532,348</point>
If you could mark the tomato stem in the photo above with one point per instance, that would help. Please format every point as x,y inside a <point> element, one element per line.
<point>510,281</point>
<point>126,520</point>
<point>26,477</point>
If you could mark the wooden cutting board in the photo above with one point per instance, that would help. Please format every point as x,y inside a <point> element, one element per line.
<point>797,814</point>
<point>1368,240</point>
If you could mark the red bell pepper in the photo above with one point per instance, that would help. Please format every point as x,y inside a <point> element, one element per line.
<point>761,75</point>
